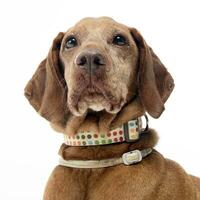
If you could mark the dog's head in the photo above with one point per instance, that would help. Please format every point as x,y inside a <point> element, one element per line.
<point>98,65</point>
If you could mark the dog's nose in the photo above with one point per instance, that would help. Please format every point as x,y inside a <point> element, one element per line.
<point>91,60</point>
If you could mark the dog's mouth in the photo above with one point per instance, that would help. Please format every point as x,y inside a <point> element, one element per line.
<point>92,90</point>
<point>96,97</point>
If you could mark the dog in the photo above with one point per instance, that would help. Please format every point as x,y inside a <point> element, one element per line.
<point>100,78</point>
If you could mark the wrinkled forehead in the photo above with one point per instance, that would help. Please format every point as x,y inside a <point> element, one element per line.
<point>102,26</point>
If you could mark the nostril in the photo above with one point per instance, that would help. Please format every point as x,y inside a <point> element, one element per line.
<point>82,61</point>
<point>98,60</point>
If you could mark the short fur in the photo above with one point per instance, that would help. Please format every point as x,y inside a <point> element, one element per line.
<point>131,81</point>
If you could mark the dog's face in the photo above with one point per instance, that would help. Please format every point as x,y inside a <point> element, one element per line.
<point>100,65</point>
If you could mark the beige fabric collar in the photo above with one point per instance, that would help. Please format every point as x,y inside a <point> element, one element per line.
<point>128,132</point>
<point>129,158</point>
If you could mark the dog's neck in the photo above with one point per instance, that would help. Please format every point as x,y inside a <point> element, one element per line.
<point>101,121</point>
<point>147,140</point>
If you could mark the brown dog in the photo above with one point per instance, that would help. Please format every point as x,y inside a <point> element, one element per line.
<point>97,76</point>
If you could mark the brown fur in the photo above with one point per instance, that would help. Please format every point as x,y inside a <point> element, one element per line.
<point>131,81</point>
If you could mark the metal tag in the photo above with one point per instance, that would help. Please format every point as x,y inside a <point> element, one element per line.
<point>132,157</point>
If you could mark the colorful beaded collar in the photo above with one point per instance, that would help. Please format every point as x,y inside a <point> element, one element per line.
<point>128,132</point>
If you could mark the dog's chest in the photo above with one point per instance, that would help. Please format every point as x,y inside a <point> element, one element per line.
<point>114,183</point>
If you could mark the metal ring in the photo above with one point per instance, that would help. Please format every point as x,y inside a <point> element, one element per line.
<point>147,124</point>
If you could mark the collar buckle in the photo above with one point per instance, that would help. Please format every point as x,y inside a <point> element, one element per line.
<point>132,157</point>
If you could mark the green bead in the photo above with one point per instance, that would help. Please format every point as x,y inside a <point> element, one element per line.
<point>96,142</point>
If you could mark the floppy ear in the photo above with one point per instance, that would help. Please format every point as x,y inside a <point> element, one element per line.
<point>155,83</point>
<point>46,91</point>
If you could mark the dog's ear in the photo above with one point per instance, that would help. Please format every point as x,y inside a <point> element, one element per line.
<point>46,91</point>
<point>155,83</point>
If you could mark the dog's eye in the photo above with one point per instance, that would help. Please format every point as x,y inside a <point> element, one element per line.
<point>71,42</point>
<point>119,40</point>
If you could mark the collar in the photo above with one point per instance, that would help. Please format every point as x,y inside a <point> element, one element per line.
<point>129,132</point>
<point>129,158</point>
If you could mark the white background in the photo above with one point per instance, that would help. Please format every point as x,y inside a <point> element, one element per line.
<point>28,146</point>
